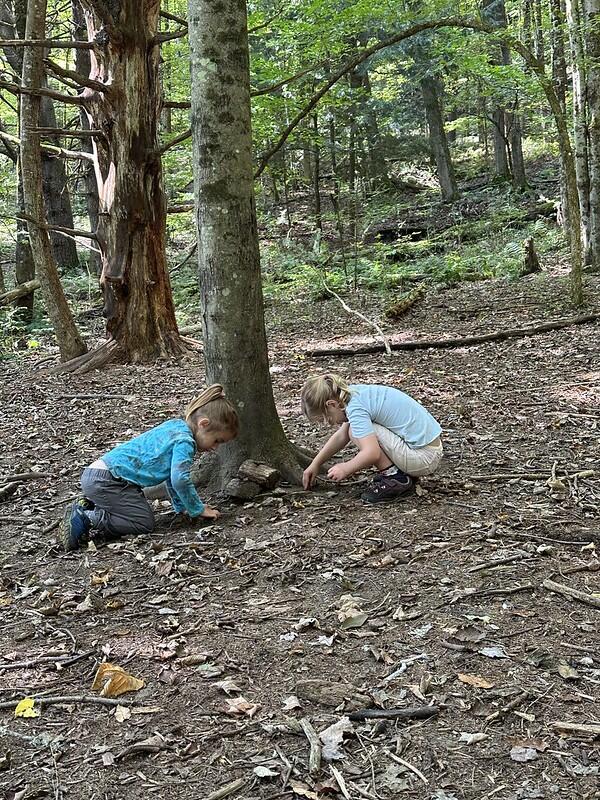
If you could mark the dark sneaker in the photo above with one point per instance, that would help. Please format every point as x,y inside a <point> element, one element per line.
<point>386,487</point>
<point>85,504</point>
<point>74,528</point>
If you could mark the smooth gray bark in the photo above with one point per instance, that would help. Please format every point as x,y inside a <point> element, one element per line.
<point>228,254</point>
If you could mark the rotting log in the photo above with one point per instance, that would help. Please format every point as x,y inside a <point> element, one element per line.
<point>19,291</point>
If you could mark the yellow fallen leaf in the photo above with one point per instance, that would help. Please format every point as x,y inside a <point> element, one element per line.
<point>475,680</point>
<point>112,681</point>
<point>26,708</point>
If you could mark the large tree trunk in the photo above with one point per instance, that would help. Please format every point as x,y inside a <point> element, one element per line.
<point>592,15</point>
<point>228,254</point>
<point>138,304</point>
<point>69,341</point>
<point>430,89</point>
<point>559,80</point>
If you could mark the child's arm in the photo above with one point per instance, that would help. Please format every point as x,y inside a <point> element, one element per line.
<point>182,486</point>
<point>368,454</point>
<point>333,445</point>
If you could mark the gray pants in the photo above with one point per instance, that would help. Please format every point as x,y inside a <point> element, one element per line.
<point>121,507</point>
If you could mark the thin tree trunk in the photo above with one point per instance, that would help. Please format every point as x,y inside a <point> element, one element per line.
<point>24,263</point>
<point>592,38</point>
<point>68,339</point>
<point>430,89</point>
<point>83,67</point>
<point>515,137</point>
<point>317,174</point>
<point>228,252</point>
<point>580,122</point>
<point>559,80</point>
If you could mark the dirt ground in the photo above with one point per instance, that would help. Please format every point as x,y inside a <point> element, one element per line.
<point>298,609</point>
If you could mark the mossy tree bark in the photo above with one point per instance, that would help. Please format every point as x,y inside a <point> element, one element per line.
<point>228,254</point>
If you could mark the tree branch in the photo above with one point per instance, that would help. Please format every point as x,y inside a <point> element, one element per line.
<point>14,88</point>
<point>177,140</point>
<point>174,18</point>
<point>177,104</point>
<point>273,87</point>
<point>161,38</point>
<point>75,133</point>
<point>57,228</point>
<point>50,43</point>
<point>52,149</point>
<point>82,80</point>
<point>266,23</point>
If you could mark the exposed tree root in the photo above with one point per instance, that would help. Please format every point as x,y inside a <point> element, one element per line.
<point>463,341</point>
<point>95,359</point>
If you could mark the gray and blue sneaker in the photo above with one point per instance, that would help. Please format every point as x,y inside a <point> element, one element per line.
<point>74,528</point>
<point>388,487</point>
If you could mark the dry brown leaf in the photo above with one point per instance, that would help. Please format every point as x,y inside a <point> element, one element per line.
<point>239,705</point>
<point>112,681</point>
<point>475,680</point>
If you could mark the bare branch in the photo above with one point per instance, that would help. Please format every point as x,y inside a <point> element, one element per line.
<point>61,152</point>
<point>74,133</point>
<point>82,80</point>
<point>174,18</point>
<point>177,104</point>
<point>50,43</point>
<point>177,140</point>
<point>274,86</point>
<point>161,38</point>
<point>266,23</point>
<point>57,228</point>
<point>14,88</point>
<point>181,208</point>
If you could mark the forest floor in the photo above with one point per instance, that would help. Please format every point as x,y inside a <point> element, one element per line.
<point>236,629</point>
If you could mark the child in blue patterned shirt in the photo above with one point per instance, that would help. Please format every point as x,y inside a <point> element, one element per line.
<point>113,500</point>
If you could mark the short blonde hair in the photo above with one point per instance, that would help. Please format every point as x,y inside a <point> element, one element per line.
<point>318,389</point>
<point>212,404</point>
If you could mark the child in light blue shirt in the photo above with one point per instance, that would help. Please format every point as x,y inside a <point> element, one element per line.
<point>392,431</point>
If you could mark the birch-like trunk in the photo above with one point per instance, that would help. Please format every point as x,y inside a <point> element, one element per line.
<point>580,121</point>
<point>592,40</point>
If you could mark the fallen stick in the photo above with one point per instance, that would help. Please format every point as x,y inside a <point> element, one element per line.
<point>463,341</point>
<point>25,476</point>
<point>514,703</point>
<point>62,661</point>
<point>19,291</point>
<point>572,594</point>
<point>421,712</point>
<point>380,348</point>
<point>314,759</point>
<point>226,790</point>
<point>68,698</point>
<point>406,764</point>
<point>499,562</point>
<point>592,729</point>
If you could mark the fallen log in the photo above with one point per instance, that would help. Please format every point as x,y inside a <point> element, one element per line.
<point>260,473</point>
<point>19,291</point>
<point>462,341</point>
<point>571,594</point>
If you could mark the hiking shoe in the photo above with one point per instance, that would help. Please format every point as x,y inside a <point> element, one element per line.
<point>75,528</point>
<point>85,504</point>
<point>387,487</point>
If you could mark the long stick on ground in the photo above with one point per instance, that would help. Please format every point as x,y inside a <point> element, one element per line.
<point>572,594</point>
<point>463,341</point>
<point>67,698</point>
<point>346,307</point>
<point>314,760</point>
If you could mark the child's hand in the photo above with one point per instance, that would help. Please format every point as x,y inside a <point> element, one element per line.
<point>309,475</point>
<point>338,473</point>
<point>210,513</point>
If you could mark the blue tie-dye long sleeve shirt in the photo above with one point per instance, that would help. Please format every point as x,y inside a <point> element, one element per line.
<point>164,453</point>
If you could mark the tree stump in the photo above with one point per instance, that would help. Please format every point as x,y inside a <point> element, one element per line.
<point>531,263</point>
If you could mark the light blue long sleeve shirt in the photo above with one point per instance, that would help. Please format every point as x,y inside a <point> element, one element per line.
<point>164,453</point>
<point>393,409</point>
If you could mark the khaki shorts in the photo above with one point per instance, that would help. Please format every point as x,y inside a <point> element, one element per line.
<point>414,461</point>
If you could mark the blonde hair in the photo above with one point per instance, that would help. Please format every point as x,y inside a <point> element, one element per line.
<point>319,389</point>
<point>212,404</point>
